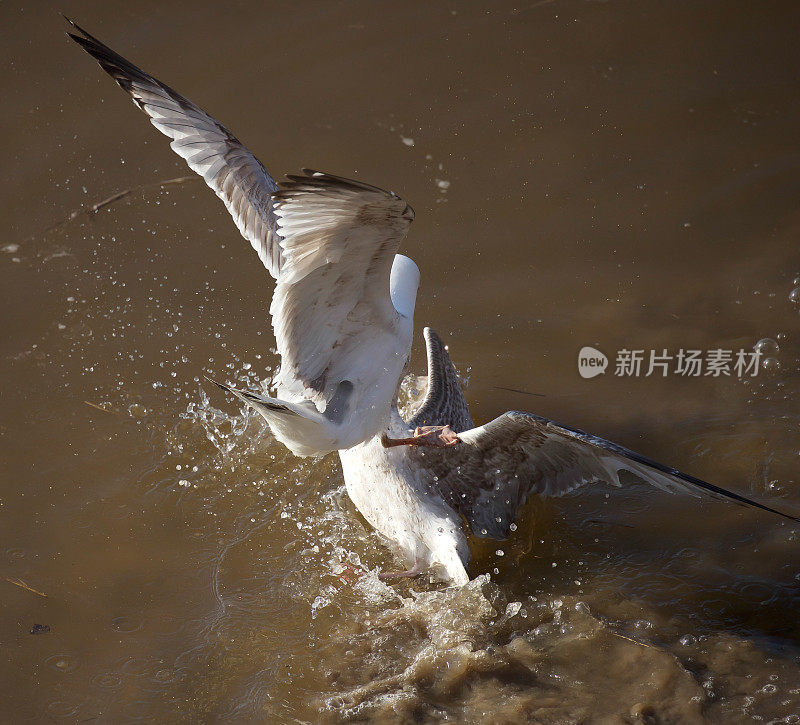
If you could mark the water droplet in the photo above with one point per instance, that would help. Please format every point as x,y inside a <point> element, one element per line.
<point>767,346</point>
<point>319,603</point>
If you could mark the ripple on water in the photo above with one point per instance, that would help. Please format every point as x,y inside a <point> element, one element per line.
<point>139,666</point>
<point>107,680</point>
<point>63,709</point>
<point>164,676</point>
<point>63,663</point>
<point>126,624</point>
<point>756,593</point>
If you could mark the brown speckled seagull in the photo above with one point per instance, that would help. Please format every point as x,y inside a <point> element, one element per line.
<point>420,497</point>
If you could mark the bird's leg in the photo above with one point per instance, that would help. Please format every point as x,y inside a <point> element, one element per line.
<point>427,435</point>
<point>415,570</point>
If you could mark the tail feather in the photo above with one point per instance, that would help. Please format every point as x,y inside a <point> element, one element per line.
<point>254,400</point>
<point>300,427</point>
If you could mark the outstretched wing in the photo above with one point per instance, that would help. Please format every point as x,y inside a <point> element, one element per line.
<point>497,466</point>
<point>332,301</point>
<point>235,175</point>
<point>444,402</point>
<point>330,242</point>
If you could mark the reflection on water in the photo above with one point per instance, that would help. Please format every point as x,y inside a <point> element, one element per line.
<point>583,174</point>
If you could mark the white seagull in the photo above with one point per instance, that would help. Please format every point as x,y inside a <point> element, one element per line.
<point>342,313</point>
<point>343,304</point>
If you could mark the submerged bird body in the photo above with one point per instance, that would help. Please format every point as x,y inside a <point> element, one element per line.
<point>420,497</point>
<point>342,312</point>
<point>398,498</point>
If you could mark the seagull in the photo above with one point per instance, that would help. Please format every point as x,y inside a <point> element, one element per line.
<point>342,313</point>
<point>343,305</point>
<point>421,497</point>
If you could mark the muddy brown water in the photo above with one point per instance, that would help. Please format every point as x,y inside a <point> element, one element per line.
<point>613,174</point>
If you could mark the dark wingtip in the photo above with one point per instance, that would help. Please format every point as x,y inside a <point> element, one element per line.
<point>221,386</point>
<point>731,496</point>
<point>322,179</point>
<point>796,519</point>
<point>74,25</point>
<point>78,28</point>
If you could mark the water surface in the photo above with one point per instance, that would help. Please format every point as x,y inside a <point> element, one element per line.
<point>615,174</point>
